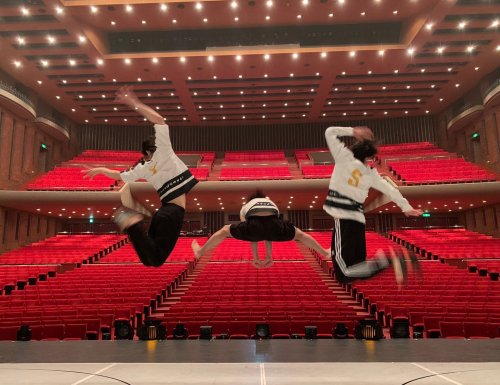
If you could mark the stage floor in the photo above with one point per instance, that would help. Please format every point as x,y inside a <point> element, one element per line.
<point>292,362</point>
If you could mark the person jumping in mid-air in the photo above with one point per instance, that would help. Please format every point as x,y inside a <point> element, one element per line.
<point>260,221</point>
<point>170,177</point>
<point>348,189</point>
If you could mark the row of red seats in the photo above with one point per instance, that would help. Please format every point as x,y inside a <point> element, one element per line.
<point>440,171</point>
<point>318,172</point>
<point>52,332</point>
<point>64,249</point>
<point>181,253</point>
<point>71,178</point>
<point>449,243</point>
<point>253,156</point>
<point>255,173</point>
<point>233,250</point>
<point>12,276</point>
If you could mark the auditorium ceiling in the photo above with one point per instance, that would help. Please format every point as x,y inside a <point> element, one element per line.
<point>249,62</point>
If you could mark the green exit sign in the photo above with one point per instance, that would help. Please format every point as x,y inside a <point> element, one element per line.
<point>426,215</point>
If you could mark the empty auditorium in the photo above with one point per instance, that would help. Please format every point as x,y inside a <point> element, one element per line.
<point>250,192</point>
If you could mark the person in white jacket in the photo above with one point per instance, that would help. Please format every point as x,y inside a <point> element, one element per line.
<point>349,184</point>
<point>260,221</point>
<point>169,176</point>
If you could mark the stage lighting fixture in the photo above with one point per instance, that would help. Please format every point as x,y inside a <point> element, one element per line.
<point>400,328</point>
<point>311,332</point>
<point>123,330</point>
<point>152,330</point>
<point>180,332</point>
<point>24,333</point>
<point>205,332</point>
<point>262,331</point>
<point>340,331</point>
<point>368,329</point>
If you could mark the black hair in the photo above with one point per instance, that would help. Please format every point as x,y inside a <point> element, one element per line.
<point>257,194</point>
<point>364,149</point>
<point>148,145</point>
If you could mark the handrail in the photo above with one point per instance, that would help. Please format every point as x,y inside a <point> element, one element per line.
<point>17,93</point>
<point>491,86</point>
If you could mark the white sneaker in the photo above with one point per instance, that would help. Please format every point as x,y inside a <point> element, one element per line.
<point>124,218</point>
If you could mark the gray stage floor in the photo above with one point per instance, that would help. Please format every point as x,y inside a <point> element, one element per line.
<point>321,362</point>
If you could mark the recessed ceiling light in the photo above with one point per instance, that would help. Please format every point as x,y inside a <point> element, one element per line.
<point>299,16</point>
<point>269,3</point>
<point>395,100</point>
<point>17,63</point>
<point>234,4</point>
<point>129,8</point>
<point>343,72</point>
<point>427,111</point>
<point>58,97</point>
<point>45,63</point>
<point>72,62</point>
<point>476,68</point>
<point>174,21</point>
<point>363,13</point>
<point>199,6</point>
<point>82,39</point>
<point>238,57</point>
<point>268,17</point>
<point>330,15</point>
<point>323,54</point>
<point>205,20</point>
<point>143,22</point>
<point>25,11</point>
<point>182,59</point>
<point>385,112</point>
<point>457,85</point>
<point>236,18</point>
<point>470,48</point>
<point>80,96</point>
<point>422,70</point>
<point>396,71</point>
<point>113,22</point>
<point>39,81</point>
<point>441,99</point>
<point>381,52</point>
<point>384,87</point>
<point>210,58</point>
<point>394,12</point>
<point>352,53</point>
<point>127,61</point>
<point>163,7</point>
<point>462,24</point>
<point>429,26</point>
<point>433,86</point>
<point>291,75</point>
<point>410,51</point>
<point>295,55</point>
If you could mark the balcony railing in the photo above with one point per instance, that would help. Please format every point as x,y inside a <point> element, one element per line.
<point>18,94</point>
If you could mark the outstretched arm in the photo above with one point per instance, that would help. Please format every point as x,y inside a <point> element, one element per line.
<point>384,187</point>
<point>126,95</point>
<point>91,173</point>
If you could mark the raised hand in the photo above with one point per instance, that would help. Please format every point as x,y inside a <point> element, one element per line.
<point>126,95</point>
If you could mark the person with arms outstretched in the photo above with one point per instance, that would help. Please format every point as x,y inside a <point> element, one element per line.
<point>260,221</point>
<point>349,184</point>
<point>169,176</point>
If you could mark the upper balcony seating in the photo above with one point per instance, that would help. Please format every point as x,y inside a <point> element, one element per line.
<point>125,158</point>
<point>63,249</point>
<point>440,171</point>
<point>71,178</point>
<point>402,150</point>
<point>254,156</point>
<point>318,172</point>
<point>255,173</point>
<point>450,243</point>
